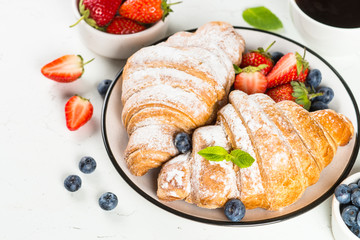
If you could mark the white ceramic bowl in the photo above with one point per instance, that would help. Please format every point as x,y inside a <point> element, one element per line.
<point>339,228</point>
<point>323,38</point>
<point>118,46</point>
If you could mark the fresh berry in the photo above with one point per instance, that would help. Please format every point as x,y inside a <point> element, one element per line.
<point>145,11</point>
<point>293,91</point>
<point>78,111</point>
<point>356,229</point>
<point>121,25</point>
<point>353,186</point>
<point>327,95</point>
<point>183,142</point>
<point>103,87</point>
<point>343,193</point>
<point>65,69</point>
<point>355,198</point>
<point>98,13</point>
<point>318,105</point>
<point>234,210</point>
<point>314,78</point>
<point>108,201</point>
<point>349,215</point>
<point>250,80</point>
<point>289,68</point>
<point>275,56</point>
<point>257,57</point>
<point>87,164</point>
<point>72,183</point>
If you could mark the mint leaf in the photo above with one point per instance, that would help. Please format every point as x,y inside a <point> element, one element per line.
<point>262,18</point>
<point>242,158</point>
<point>213,153</point>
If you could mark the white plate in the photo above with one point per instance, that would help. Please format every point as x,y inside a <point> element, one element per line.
<point>115,139</point>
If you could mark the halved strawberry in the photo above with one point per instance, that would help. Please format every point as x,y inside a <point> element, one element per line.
<point>78,111</point>
<point>250,80</point>
<point>258,57</point>
<point>121,25</point>
<point>293,91</point>
<point>65,69</point>
<point>289,68</point>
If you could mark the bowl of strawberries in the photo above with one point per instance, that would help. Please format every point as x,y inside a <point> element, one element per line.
<point>117,28</point>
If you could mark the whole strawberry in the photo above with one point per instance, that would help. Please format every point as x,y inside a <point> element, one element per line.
<point>98,13</point>
<point>290,67</point>
<point>258,57</point>
<point>250,79</point>
<point>121,25</point>
<point>145,11</point>
<point>293,91</point>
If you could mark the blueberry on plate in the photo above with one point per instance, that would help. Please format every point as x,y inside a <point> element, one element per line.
<point>234,210</point>
<point>355,198</point>
<point>328,95</point>
<point>87,164</point>
<point>183,142</point>
<point>343,193</point>
<point>108,201</point>
<point>318,105</point>
<point>72,183</point>
<point>103,86</point>
<point>275,56</point>
<point>314,78</point>
<point>349,215</point>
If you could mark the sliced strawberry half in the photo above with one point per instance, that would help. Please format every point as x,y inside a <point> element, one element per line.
<point>290,67</point>
<point>65,69</point>
<point>250,80</point>
<point>78,111</point>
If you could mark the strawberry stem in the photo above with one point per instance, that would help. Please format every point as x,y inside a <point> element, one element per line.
<point>77,22</point>
<point>88,61</point>
<point>270,46</point>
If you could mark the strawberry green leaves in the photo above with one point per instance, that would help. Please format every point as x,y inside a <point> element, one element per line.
<point>262,18</point>
<point>241,158</point>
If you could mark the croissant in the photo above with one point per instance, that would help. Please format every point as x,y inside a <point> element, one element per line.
<point>176,86</point>
<point>290,146</point>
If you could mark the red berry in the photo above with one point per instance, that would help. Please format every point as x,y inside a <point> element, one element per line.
<point>250,80</point>
<point>78,111</point>
<point>121,25</point>
<point>258,57</point>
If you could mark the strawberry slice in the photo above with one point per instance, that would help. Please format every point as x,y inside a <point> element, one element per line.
<point>65,69</point>
<point>78,111</point>
<point>289,68</point>
<point>250,80</point>
<point>258,57</point>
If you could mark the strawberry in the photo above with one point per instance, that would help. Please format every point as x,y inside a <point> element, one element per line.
<point>290,67</point>
<point>121,25</point>
<point>257,57</point>
<point>65,69</point>
<point>293,91</point>
<point>250,80</point>
<point>145,11</point>
<point>78,111</point>
<point>98,13</point>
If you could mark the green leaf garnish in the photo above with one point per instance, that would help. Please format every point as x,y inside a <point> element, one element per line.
<point>262,18</point>
<point>241,158</point>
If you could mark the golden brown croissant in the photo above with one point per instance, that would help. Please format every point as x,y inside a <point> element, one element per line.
<point>290,147</point>
<point>176,86</point>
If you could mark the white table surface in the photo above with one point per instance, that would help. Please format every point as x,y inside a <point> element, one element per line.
<point>38,152</point>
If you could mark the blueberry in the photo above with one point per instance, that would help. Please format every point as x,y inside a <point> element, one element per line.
<point>349,215</point>
<point>234,210</point>
<point>72,183</point>
<point>108,201</point>
<point>318,105</point>
<point>183,142</point>
<point>314,78</point>
<point>343,193</point>
<point>355,230</point>
<point>328,95</point>
<point>355,198</point>
<point>275,56</point>
<point>353,186</point>
<point>358,183</point>
<point>87,164</point>
<point>103,86</point>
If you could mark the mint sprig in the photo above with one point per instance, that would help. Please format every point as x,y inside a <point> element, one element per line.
<point>239,157</point>
<point>262,18</point>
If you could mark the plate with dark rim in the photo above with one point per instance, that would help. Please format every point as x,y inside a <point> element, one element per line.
<point>115,140</point>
